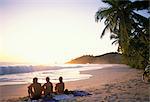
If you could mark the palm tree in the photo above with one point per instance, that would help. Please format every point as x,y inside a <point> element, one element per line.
<point>124,23</point>
<point>116,20</point>
<point>116,41</point>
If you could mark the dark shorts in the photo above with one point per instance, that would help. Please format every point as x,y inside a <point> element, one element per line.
<point>36,97</point>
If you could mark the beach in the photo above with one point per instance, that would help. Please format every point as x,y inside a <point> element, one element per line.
<point>116,83</point>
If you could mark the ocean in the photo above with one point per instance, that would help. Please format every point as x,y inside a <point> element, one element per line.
<point>23,74</point>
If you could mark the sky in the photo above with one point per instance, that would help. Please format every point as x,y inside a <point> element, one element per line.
<point>50,31</point>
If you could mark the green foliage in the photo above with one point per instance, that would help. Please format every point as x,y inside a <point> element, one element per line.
<point>129,29</point>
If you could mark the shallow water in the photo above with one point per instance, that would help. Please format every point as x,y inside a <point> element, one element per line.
<point>24,74</point>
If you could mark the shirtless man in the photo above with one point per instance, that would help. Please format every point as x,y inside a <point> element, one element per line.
<point>60,86</point>
<point>35,89</point>
<point>47,87</point>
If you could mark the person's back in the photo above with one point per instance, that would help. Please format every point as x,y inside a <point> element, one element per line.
<point>48,87</point>
<point>60,86</point>
<point>35,89</point>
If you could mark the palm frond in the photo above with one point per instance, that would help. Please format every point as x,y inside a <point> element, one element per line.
<point>103,33</point>
<point>111,2</point>
<point>114,36</point>
<point>115,42</point>
<point>141,19</point>
<point>140,5</point>
<point>103,13</point>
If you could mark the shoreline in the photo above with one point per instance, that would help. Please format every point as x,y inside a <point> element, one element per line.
<point>102,80</point>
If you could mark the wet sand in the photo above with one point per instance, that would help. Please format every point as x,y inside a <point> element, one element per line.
<point>117,83</point>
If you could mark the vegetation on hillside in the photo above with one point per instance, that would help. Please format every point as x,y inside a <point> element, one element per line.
<point>129,29</point>
<point>108,58</point>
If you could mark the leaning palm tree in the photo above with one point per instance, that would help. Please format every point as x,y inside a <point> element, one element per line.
<point>117,20</point>
<point>123,22</point>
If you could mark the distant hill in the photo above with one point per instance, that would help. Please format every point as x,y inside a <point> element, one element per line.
<point>108,58</point>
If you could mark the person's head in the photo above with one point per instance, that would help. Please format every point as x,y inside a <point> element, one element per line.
<point>60,79</point>
<point>35,80</point>
<point>47,79</point>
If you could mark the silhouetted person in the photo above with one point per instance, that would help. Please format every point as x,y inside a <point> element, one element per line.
<point>60,86</point>
<point>35,89</point>
<point>47,87</point>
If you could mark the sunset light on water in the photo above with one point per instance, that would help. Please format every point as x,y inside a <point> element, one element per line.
<point>74,51</point>
<point>24,74</point>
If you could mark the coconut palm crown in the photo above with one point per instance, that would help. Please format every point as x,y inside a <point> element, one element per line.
<point>127,27</point>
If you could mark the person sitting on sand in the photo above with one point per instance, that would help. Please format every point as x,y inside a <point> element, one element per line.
<point>35,89</point>
<point>60,86</point>
<point>47,87</point>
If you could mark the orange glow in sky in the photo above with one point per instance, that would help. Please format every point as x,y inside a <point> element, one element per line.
<point>48,31</point>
